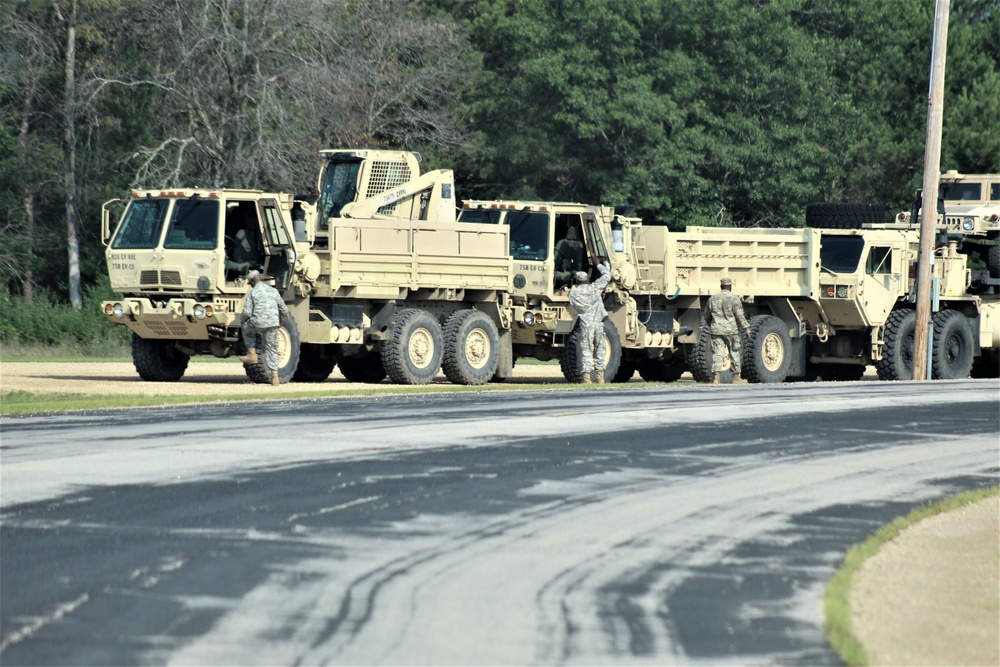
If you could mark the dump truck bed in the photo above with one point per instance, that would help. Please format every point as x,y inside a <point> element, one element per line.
<point>762,262</point>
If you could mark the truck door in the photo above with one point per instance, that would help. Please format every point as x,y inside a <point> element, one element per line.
<point>882,284</point>
<point>279,259</point>
<point>530,240</point>
<point>594,240</point>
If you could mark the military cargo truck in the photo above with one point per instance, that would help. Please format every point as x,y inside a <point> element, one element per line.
<point>376,272</point>
<point>821,303</point>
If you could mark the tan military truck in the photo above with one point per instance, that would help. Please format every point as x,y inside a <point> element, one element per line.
<point>822,303</point>
<point>376,272</point>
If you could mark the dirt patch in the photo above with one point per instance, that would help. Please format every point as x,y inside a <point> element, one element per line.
<point>931,596</point>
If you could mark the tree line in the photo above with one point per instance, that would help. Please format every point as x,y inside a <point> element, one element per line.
<point>729,112</point>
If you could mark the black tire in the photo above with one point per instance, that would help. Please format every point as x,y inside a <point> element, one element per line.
<point>987,365</point>
<point>316,362</point>
<point>471,348</point>
<point>954,346</point>
<point>993,261</point>
<point>288,355</point>
<point>571,361</point>
<point>626,369</point>
<point>158,360</point>
<point>367,369</point>
<point>897,352</point>
<point>412,355</point>
<point>699,358</point>
<point>655,370</point>
<point>840,215</point>
<point>767,355</point>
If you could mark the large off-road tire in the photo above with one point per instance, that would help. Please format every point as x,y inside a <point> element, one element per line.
<point>571,361</point>
<point>288,355</point>
<point>655,370</point>
<point>699,358</point>
<point>897,352</point>
<point>316,362</point>
<point>987,365</point>
<point>471,348</point>
<point>412,355</point>
<point>158,360</point>
<point>840,215</point>
<point>767,355</point>
<point>367,369</point>
<point>954,346</point>
<point>626,369</point>
<point>993,261</point>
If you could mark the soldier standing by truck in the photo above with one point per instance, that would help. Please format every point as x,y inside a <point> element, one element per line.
<point>262,314</point>
<point>588,300</point>
<point>724,318</point>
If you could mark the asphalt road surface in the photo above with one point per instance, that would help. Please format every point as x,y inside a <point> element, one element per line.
<point>687,525</point>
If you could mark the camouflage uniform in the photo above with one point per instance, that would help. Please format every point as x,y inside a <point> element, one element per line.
<point>263,313</point>
<point>588,300</point>
<point>724,317</point>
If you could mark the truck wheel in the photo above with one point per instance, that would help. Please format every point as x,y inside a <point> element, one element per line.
<point>993,261</point>
<point>766,355</point>
<point>655,370</point>
<point>367,369</point>
<point>952,356</point>
<point>313,366</point>
<point>571,361</point>
<point>288,355</point>
<point>471,348</point>
<point>840,215</point>
<point>626,369</point>
<point>413,353</point>
<point>897,352</point>
<point>699,358</point>
<point>158,360</point>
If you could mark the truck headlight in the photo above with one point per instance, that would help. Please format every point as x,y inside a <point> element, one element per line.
<point>968,224</point>
<point>199,311</point>
<point>842,291</point>
<point>117,310</point>
<point>529,318</point>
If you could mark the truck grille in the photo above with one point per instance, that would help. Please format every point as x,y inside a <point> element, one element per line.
<point>175,329</point>
<point>154,277</point>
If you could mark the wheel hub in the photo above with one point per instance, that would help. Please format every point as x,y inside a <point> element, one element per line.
<point>772,352</point>
<point>421,348</point>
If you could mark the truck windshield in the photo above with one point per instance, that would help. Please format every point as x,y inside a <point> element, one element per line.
<point>340,185</point>
<point>489,217</point>
<point>961,191</point>
<point>141,224</point>
<point>194,225</point>
<point>529,235</point>
<point>841,254</point>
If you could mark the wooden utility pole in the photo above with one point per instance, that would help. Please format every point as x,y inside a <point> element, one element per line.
<point>932,169</point>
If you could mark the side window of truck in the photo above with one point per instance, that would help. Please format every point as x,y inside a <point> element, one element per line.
<point>995,192</point>
<point>879,261</point>
<point>276,232</point>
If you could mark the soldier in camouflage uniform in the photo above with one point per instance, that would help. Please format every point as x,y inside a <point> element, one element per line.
<point>588,300</point>
<point>724,318</point>
<point>263,313</point>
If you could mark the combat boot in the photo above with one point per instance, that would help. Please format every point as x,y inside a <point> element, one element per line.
<point>586,378</point>
<point>600,376</point>
<point>739,379</point>
<point>275,380</point>
<point>250,357</point>
<point>717,378</point>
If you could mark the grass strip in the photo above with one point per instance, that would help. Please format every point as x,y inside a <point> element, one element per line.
<point>836,607</point>
<point>24,403</point>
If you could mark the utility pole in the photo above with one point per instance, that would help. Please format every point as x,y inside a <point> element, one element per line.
<point>932,169</point>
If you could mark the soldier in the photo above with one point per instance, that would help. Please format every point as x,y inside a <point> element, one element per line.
<point>723,313</point>
<point>263,313</point>
<point>588,300</point>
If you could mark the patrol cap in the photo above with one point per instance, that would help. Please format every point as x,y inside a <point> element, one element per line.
<point>253,274</point>
<point>581,276</point>
<point>726,281</point>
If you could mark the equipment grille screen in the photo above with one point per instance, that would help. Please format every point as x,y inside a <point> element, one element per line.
<point>385,176</point>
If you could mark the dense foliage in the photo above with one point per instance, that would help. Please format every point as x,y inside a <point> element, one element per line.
<point>712,112</point>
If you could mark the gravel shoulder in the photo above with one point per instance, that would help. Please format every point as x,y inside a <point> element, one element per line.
<point>929,597</point>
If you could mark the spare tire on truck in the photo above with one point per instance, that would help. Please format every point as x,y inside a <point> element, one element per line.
<point>841,215</point>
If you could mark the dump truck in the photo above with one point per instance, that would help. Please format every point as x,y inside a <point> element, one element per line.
<point>377,274</point>
<point>822,303</point>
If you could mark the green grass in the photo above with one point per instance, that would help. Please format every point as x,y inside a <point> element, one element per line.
<point>835,598</point>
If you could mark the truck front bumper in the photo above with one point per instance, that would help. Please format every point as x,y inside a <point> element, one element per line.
<point>175,319</point>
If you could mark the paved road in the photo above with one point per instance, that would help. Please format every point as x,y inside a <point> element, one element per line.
<point>693,525</point>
